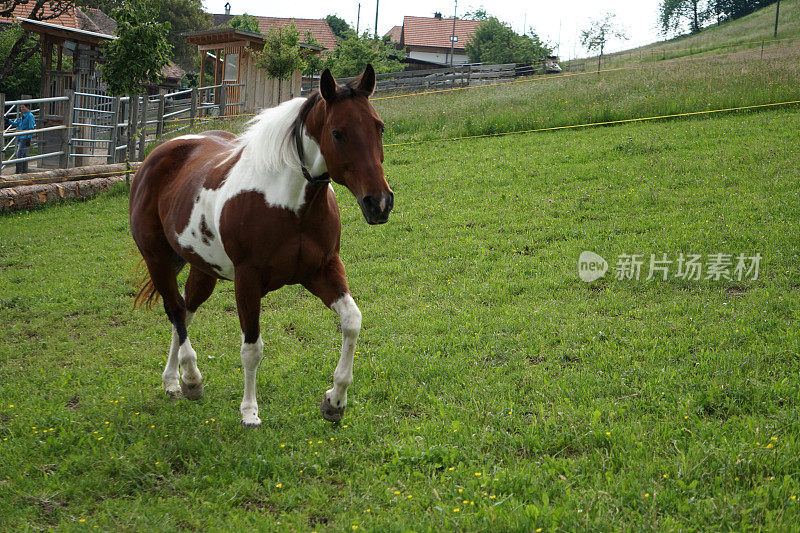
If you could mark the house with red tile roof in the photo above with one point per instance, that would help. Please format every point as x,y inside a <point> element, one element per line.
<point>427,40</point>
<point>318,27</point>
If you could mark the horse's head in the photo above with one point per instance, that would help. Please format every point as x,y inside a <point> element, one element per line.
<point>350,136</point>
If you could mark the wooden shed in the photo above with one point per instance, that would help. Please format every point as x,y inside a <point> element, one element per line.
<point>230,52</point>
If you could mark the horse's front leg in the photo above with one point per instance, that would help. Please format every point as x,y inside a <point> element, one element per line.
<point>350,319</point>
<point>247,285</point>
<point>330,285</point>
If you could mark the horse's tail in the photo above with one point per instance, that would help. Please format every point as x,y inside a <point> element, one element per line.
<point>147,294</point>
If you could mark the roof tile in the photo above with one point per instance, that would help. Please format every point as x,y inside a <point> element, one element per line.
<point>427,31</point>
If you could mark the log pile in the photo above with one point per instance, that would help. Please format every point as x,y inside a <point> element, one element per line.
<point>21,191</point>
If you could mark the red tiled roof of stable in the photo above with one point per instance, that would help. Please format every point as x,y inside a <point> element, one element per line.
<point>75,18</point>
<point>318,27</point>
<point>67,18</point>
<point>428,31</point>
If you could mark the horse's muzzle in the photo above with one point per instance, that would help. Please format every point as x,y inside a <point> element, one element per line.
<point>376,208</point>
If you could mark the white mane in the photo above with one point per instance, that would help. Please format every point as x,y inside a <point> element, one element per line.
<point>266,146</point>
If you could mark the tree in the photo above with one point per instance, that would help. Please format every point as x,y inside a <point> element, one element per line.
<point>281,55</point>
<point>245,23</point>
<point>27,76</point>
<point>340,28</point>
<point>354,53</point>
<point>25,45</point>
<point>496,42</point>
<point>314,62</point>
<point>600,32</point>
<point>183,16</point>
<point>140,51</point>
<point>674,13</point>
<point>478,14</point>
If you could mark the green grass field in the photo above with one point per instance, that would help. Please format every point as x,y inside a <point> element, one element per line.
<point>493,389</point>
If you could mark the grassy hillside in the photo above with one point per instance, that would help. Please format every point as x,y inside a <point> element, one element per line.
<point>740,34</point>
<point>647,90</point>
<point>493,389</point>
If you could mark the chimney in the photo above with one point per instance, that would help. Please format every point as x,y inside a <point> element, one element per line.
<point>227,8</point>
<point>437,15</point>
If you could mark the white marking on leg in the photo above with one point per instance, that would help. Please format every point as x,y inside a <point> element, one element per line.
<point>251,356</point>
<point>187,358</point>
<point>170,377</point>
<point>350,319</point>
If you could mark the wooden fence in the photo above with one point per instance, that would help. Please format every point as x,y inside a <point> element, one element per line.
<point>456,76</point>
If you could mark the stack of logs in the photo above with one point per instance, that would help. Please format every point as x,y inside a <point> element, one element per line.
<point>21,191</point>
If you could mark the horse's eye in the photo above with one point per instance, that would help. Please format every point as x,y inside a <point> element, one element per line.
<point>381,128</point>
<point>337,135</point>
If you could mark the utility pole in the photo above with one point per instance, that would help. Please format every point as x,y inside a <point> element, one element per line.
<point>358,17</point>
<point>777,10</point>
<point>453,36</point>
<point>377,3</point>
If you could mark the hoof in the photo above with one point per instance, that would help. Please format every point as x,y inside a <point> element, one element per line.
<point>192,391</point>
<point>172,390</point>
<point>331,413</point>
<point>252,424</point>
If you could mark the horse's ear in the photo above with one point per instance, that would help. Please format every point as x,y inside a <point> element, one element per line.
<point>367,81</point>
<point>327,85</point>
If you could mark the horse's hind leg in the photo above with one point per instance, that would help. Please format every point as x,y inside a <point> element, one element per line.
<point>199,287</point>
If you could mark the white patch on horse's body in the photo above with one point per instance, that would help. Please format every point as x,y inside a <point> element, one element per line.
<point>268,164</point>
<point>190,136</point>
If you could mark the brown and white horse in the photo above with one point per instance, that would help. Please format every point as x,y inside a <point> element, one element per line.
<point>259,210</point>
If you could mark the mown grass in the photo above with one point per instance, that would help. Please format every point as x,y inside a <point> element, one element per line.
<point>741,34</point>
<point>493,389</point>
<point>540,102</point>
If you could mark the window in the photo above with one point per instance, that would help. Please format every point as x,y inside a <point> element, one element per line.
<point>231,67</point>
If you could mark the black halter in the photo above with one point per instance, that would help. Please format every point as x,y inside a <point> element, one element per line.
<point>319,180</point>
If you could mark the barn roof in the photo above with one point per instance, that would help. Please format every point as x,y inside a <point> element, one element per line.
<point>319,27</point>
<point>436,32</point>
<point>224,34</point>
<point>75,18</point>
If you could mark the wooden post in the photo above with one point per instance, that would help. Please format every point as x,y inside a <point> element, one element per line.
<point>777,12</point>
<point>762,49</point>
<point>66,134</point>
<point>133,115</point>
<point>223,100</point>
<point>160,125</point>
<point>112,136</point>
<point>193,108</point>
<point>143,127</point>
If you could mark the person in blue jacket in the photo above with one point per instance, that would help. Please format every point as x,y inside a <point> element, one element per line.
<point>26,122</point>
